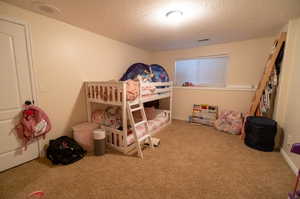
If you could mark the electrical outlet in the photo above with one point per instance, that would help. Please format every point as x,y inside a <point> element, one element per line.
<point>289,140</point>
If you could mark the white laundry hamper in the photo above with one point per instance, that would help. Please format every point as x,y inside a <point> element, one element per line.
<point>83,135</point>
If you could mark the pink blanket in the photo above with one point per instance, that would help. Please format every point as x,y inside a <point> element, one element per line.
<point>229,121</point>
<point>133,89</point>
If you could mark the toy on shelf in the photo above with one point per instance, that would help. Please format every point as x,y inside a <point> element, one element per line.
<point>204,114</point>
<point>187,84</point>
<point>296,193</point>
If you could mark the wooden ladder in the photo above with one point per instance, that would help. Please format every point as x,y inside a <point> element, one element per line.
<point>269,69</point>
<point>139,106</point>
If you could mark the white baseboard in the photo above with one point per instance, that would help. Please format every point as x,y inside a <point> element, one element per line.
<point>179,118</point>
<point>289,161</point>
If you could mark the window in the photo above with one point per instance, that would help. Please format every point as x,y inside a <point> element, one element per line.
<point>206,71</point>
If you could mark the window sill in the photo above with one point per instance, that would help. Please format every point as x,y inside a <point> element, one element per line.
<point>216,88</point>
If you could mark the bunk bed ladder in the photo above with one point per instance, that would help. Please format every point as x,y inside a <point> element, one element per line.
<point>138,106</point>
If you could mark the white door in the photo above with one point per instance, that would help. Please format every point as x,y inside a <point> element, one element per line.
<point>15,89</point>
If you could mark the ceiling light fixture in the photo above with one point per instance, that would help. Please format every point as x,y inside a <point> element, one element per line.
<point>174,15</point>
<point>46,8</point>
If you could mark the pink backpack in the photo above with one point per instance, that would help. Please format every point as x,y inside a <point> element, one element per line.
<point>33,123</point>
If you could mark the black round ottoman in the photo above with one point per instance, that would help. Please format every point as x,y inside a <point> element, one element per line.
<point>260,133</point>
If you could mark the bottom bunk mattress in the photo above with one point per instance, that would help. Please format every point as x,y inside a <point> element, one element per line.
<point>110,119</point>
<point>161,118</point>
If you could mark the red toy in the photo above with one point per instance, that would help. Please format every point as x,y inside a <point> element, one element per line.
<point>187,84</point>
<point>36,194</point>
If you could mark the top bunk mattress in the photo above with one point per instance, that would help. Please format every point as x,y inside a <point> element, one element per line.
<point>145,90</point>
<point>111,92</point>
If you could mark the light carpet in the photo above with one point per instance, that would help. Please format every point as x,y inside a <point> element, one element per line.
<point>192,162</point>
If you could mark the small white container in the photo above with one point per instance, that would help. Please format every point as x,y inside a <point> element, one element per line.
<point>99,142</point>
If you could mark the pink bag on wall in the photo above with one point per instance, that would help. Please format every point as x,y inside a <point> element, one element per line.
<point>34,123</point>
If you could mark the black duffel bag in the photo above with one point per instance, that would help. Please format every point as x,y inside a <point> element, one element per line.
<point>64,150</point>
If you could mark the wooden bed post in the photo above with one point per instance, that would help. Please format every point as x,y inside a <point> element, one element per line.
<point>171,101</point>
<point>88,104</point>
<point>124,116</point>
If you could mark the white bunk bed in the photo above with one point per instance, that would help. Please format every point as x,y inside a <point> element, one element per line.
<point>114,94</point>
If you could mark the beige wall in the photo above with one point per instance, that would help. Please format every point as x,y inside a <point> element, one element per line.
<point>183,100</point>
<point>246,65</point>
<point>63,57</point>
<point>288,104</point>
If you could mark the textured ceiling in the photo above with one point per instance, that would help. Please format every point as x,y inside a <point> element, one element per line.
<point>142,23</point>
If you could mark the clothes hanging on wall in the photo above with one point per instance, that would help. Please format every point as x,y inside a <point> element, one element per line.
<point>268,97</point>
